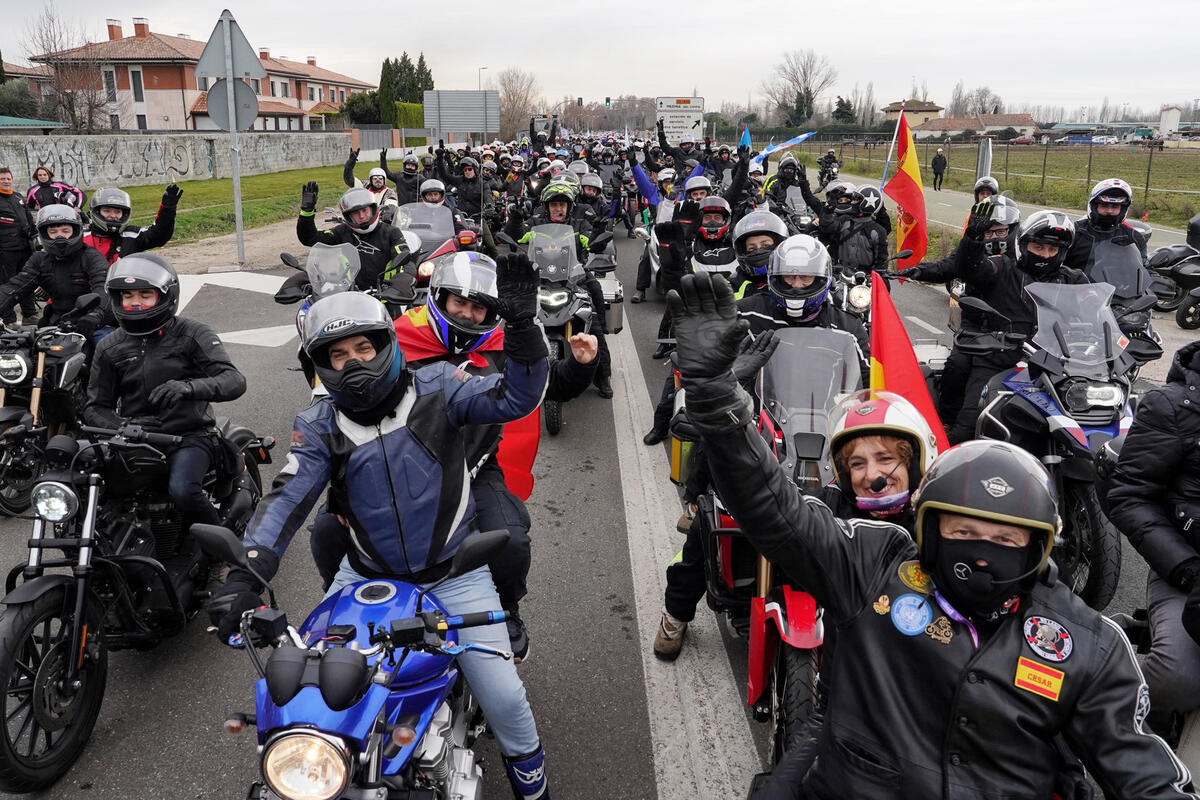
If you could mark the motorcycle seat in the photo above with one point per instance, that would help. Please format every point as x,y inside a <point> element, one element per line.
<point>1171,254</point>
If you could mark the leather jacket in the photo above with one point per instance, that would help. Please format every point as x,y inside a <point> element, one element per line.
<point>382,252</point>
<point>916,709</point>
<point>65,281</point>
<point>135,240</point>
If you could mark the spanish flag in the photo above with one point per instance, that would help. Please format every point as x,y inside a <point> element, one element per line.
<point>905,188</point>
<point>894,365</point>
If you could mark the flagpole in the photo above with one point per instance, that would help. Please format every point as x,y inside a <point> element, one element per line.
<point>891,148</point>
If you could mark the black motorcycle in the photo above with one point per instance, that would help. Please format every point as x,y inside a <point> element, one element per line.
<point>135,578</point>
<point>1179,266</point>
<point>43,388</point>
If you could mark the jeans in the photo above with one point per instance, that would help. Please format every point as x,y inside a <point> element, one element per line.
<point>937,181</point>
<point>493,680</point>
<point>11,262</point>
<point>189,464</point>
<point>1172,667</point>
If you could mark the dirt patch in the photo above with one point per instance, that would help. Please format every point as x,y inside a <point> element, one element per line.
<point>219,254</point>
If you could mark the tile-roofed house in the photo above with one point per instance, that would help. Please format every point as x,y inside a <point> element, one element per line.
<point>39,77</point>
<point>947,126</point>
<point>915,111</point>
<point>150,82</point>
<point>1023,124</point>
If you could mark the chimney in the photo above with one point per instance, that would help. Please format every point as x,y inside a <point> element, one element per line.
<point>114,30</point>
<point>141,27</point>
<point>264,52</point>
<point>312,61</point>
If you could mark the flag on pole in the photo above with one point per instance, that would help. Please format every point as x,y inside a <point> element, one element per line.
<point>745,140</point>
<point>894,365</point>
<point>772,147</point>
<point>912,231</point>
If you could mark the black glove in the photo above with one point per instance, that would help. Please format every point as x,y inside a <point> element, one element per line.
<point>171,195</point>
<point>516,289</point>
<point>383,155</point>
<point>166,395</point>
<point>669,232</point>
<point>659,125</point>
<point>1191,614</point>
<point>240,592</point>
<point>743,154</point>
<point>354,154</point>
<point>689,211</point>
<point>753,354</point>
<point>912,273</point>
<point>441,145</point>
<point>308,196</point>
<point>980,220</point>
<point>430,149</point>
<point>708,333</point>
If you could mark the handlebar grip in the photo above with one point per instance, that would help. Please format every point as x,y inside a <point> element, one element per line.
<point>98,431</point>
<point>162,439</point>
<point>474,620</point>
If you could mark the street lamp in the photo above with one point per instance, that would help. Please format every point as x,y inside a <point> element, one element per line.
<point>479,76</point>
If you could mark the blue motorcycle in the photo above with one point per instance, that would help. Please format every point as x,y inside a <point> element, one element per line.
<point>364,700</point>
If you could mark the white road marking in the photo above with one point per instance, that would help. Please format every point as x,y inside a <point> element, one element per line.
<point>940,203</point>
<point>190,285</point>
<point>276,336</point>
<point>921,323</point>
<point>698,727</point>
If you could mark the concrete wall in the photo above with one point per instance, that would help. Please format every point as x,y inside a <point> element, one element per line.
<point>90,162</point>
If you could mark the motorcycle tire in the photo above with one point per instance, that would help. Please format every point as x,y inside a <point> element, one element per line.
<point>1088,551</point>
<point>1187,316</point>
<point>37,635</point>
<point>1176,300</point>
<point>793,698</point>
<point>552,409</point>
<point>15,497</point>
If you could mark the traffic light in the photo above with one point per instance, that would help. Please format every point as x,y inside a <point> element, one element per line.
<point>608,102</point>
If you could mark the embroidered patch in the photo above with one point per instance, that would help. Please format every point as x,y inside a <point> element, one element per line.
<point>297,438</point>
<point>883,605</point>
<point>996,487</point>
<point>460,375</point>
<point>910,614</point>
<point>914,577</point>
<point>1038,679</point>
<point>1048,638</point>
<point>939,630</point>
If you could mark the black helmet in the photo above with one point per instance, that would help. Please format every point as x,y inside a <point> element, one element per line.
<point>836,190</point>
<point>849,201</point>
<point>1004,213</point>
<point>1044,227</point>
<point>143,271</point>
<point>358,386</point>
<point>871,200</point>
<point>354,200</point>
<point>986,182</point>
<point>59,214</point>
<point>993,481</point>
<point>411,160</point>
<point>109,197</point>
<point>468,162</point>
<point>788,162</point>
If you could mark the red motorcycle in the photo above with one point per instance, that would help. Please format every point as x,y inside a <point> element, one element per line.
<point>782,623</point>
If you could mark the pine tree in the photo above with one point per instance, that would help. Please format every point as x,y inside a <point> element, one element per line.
<point>386,97</point>
<point>3,77</point>
<point>844,111</point>
<point>406,79</point>
<point>424,79</point>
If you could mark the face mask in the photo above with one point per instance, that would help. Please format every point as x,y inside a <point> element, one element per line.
<point>756,260</point>
<point>1038,266</point>
<point>884,504</point>
<point>975,590</point>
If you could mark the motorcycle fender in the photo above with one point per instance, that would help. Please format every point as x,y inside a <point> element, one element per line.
<point>1078,469</point>
<point>31,590</point>
<point>70,370</point>
<point>1195,293</point>
<point>764,640</point>
<point>789,616</point>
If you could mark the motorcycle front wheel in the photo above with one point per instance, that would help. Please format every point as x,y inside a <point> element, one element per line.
<point>44,728</point>
<point>1088,551</point>
<point>1173,303</point>
<point>552,409</point>
<point>1187,316</point>
<point>16,482</point>
<point>793,698</point>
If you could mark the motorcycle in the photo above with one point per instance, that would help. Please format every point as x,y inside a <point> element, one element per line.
<point>43,389</point>
<point>1068,398</point>
<point>1135,291</point>
<point>364,700</point>
<point>796,214</point>
<point>783,625</point>
<point>433,225</point>
<point>665,213</point>
<point>135,579</point>
<point>851,289</point>
<point>827,175</point>
<point>1180,264</point>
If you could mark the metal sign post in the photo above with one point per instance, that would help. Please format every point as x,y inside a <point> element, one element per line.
<point>234,153</point>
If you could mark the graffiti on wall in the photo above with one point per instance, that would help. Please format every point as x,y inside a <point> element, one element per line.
<point>121,160</point>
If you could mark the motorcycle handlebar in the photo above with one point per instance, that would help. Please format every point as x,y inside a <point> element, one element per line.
<point>153,439</point>
<point>474,620</point>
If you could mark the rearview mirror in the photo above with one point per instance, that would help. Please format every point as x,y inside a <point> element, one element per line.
<point>290,260</point>
<point>475,551</point>
<point>87,302</point>
<point>981,306</point>
<point>220,543</point>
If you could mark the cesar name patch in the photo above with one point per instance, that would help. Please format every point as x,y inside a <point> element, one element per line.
<point>1038,678</point>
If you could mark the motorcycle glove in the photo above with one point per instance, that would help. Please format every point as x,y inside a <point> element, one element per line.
<point>980,220</point>
<point>171,195</point>
<point>708,332</point>
<point>912,273</point>
<point>516,289</point>
<point>166,395</point>
<point>240,593</point>
<point>354,154</point>
<point>753,354</point>
<point>308,196</point>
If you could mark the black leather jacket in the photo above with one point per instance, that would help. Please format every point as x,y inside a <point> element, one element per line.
<point>1155,489</point>
<point>126,367</point>
<point>1079,255</point>
<point>763,313</point>
<point>920,711</point>
<point>65,281</point>
<point>997,281</point>
<point>381,252</point>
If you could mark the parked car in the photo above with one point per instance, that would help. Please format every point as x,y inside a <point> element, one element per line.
<point>1105,140</point>
<point>1023,140</point>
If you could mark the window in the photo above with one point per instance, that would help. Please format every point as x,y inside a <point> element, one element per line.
<point>283,88</point>
<point>312,95</point>
<point>257,84</point>
<point>342,92</point>
<point>135,78</point>
<point>273,89</point>
<point>141,122</point>
<point>202,84</point>
<point>114,122</point>
<point>110,85</point>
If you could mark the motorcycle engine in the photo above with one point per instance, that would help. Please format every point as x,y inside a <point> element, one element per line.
<point>166,526</point>
<point>437,756</point>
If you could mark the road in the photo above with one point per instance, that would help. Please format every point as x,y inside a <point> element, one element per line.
<point>616,722</point>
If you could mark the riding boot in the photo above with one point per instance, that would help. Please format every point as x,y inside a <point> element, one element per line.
<point>527,774</point>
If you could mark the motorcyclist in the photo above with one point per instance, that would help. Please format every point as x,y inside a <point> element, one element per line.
<point>376,182</point>
<point>47,192</point>
<point>161,372</point>
<point>1104,225</point>
<point>985,187</point>
<point>862,244</point>
<point>18,234</point>
<point>460,325</point>
<point>755,237</point>
<point>468,186</point>
<point>382,248</point>
<point>428,165</point>
<point>65,269</point>
<point>790,172</point>
<point>827,162</point>
<point>109,231</point>
<point>969,656</point>
<point>407,180</point>
<point>687,146</point>
<point>406,527</point>
<point>1154,499</point>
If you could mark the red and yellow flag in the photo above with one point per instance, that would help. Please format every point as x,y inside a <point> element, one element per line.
<point>894,364</point>
<point>912,231</point>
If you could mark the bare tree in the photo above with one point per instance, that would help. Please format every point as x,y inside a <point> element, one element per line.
<point>518,98</point>
<point>957,107</point>
<point>867,107</point>
<point>1105,112</point>
<point>76,93</point>
<point>984,101</point>
<point>925,90</point>
<point>801,78</point>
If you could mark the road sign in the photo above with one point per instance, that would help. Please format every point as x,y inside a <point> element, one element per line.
<point>245,105</point>
<point>681,115</point>
<point>245,60</point>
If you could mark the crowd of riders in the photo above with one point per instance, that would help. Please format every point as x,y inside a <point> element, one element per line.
<point>934,571</point>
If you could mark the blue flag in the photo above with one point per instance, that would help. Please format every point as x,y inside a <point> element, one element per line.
<point>745,140</point>
<point>789,143</point>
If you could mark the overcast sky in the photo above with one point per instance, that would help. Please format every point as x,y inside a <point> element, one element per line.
<point>1054,52</point>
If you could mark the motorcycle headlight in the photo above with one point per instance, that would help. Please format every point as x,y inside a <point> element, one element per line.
<point>425,270</point>
<point>13,368</point>
<point>1081,396</point>
<point>860,297</point>
<point>54,502</point>
<point>555,299</point>
<point>304,766</point>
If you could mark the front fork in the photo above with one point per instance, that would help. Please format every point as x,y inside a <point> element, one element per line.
<point>82,572</point>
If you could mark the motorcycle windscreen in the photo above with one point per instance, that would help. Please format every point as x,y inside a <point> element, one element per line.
<point>433,223</point>
<point>332,268</point>
<point>1076,325</point>
<point>665,212</point>
<point>796,204</point>
<point>811,369</point>
<point>1119,266</point>
<point>552,251</point>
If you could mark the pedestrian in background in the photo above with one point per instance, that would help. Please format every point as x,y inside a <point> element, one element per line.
<point>939,168</point>
<point>47,192</point>
<point>17,233</point>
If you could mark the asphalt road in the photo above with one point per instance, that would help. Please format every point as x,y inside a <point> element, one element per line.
<point>616,723</point>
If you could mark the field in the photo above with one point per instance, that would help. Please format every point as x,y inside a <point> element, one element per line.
<point>1174,175</point>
